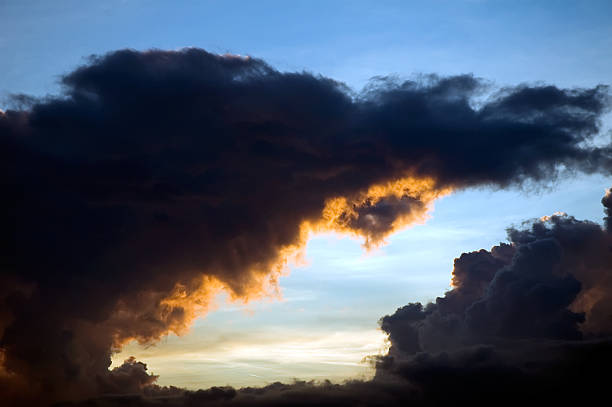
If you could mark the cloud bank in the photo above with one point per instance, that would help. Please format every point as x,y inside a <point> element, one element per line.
<point>157,179</point>
<point>529,321</point>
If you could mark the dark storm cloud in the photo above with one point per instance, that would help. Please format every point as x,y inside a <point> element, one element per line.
<point>526,323</point>
<point>158,178</point>
<point>553,281</point>
<point>531,320</point>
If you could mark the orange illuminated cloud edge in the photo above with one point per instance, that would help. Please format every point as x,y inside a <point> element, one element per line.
<point>337,216</point>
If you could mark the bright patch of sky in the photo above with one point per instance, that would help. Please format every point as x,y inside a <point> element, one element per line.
<point>327,322</point>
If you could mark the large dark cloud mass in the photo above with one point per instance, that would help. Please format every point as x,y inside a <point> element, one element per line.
<point>528,322</point>
<point>159,178</point>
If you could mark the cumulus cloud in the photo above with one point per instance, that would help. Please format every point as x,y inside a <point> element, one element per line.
<point>521,325</point>
<point>157,179</point>
<point>552,282</point>
<point>529,320</point>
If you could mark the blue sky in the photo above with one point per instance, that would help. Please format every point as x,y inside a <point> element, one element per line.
<point>565,42</point>
<point>330,305</point>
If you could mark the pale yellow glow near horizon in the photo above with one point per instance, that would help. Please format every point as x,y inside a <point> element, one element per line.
<point>195,361</point>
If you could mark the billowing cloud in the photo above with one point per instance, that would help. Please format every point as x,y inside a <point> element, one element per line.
<point>520,325</point>
<point>552,282</point>
<point>529,320</point>
<point>159,178</point>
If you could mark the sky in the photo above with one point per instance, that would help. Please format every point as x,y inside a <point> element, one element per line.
<point>324,321</point>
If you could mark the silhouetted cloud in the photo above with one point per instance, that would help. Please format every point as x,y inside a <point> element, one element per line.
<point>159,178</point>
<point>553,281</point>
<point>527,322</point>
